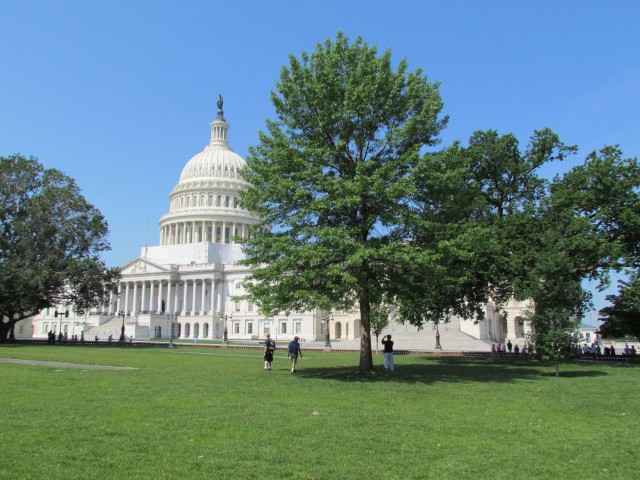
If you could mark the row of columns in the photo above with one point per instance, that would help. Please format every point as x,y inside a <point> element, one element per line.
<point>190,296</point>
<point>204,231</point>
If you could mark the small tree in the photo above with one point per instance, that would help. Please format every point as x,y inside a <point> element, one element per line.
<point>622,318</point>
<point>380,316</point>
<point>50,242</point>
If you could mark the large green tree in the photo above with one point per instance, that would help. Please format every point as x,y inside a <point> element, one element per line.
<point>581,225</point>
<point>473,205</point>
<point>335,177</point>
<point>51,239</point>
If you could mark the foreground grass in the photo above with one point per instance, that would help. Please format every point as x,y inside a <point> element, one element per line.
<point>216,414</point>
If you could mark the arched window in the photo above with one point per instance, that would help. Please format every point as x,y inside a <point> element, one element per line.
<point>226,201</point>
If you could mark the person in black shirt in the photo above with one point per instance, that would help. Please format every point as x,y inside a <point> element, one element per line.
<point>388,353</point>
<point>269,347</point>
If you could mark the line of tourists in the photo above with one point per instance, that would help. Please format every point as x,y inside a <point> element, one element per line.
<point>608,351</point>
<point>511,348</point>
<point>63,338</point>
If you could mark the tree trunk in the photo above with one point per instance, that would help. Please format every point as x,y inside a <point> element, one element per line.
<point>557,367</point>
<point>5,328</point>
<point>366,358</point>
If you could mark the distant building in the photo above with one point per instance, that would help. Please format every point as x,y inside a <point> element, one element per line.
<point>184,286</point>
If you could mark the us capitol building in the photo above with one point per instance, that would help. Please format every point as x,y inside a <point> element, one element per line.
<point>185,287</point>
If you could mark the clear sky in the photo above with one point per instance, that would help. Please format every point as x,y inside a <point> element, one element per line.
<point>119,94</point>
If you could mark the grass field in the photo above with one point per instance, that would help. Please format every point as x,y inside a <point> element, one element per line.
<point>203,413</point>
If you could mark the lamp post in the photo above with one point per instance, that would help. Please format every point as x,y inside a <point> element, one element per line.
<point>327,339</point>
<point>171,318</point>
<point>121,340</point>
<point>225,337</point>
<point>56,314</point>
<point>438,347</point>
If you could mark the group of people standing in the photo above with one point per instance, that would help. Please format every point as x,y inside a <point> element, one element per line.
<point>510,348</point>
<point>51,338</point>
<point>293,351</point>
<point>608,351</point>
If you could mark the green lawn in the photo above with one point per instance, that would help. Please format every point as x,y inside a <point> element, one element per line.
<point>202,413</point>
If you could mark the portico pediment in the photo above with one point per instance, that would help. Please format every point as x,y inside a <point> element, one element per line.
<point>141,266</point>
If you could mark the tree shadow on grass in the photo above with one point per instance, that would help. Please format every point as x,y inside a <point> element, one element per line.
<point>428,370</point>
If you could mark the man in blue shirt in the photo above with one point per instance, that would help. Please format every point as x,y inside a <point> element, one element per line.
<point>294,352</point>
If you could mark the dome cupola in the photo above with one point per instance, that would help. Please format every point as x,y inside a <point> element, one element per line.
<point>204,205</point>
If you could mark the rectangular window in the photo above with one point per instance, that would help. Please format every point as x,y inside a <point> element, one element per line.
<point>250,328</point>
<point>237,305</point>
<point>267,328</point>
<point>298,327</point>
<point>45,327</point>
<point>249,306</point>
<point>283,327</point>
<point>236,327</point>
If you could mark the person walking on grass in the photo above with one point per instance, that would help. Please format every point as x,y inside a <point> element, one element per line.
<point>388,353</point>
<point>294,352</point>
<point>269,348</point>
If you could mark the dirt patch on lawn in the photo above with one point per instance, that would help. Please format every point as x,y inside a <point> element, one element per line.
<point>63,364</point>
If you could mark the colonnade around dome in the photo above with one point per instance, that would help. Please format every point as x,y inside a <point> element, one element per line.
<point>198,231</point>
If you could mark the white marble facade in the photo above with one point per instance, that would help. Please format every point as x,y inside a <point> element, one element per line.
<point>190,279</point>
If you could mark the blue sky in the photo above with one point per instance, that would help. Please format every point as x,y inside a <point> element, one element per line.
<point>119,94</point>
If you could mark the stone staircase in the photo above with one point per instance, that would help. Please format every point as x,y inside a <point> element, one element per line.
<point>112,327</point>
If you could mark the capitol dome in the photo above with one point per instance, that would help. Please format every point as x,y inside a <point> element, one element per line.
<point>204,205</point>
<point>217,159</point>
<point>214,161</point>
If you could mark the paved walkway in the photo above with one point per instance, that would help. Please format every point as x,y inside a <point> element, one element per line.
<point>407,337</point>
<point>63,364</point>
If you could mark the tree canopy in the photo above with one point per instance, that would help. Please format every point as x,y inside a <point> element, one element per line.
<point>50,243</point>
<point>622,318</point>
<point>365,209</point>
<point>335,175</point>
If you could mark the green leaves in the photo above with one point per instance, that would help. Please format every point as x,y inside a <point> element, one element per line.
<point>50,241</point>
<point>334,175</point>
<point>622,318</point>
<point>363,210</point>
